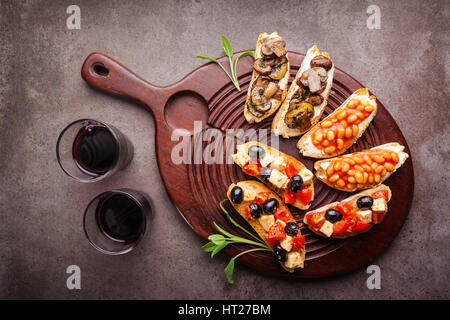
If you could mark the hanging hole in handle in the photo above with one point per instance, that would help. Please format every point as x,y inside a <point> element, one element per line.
<point>100,70</point>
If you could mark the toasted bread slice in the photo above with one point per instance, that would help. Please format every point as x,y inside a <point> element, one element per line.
<point>372,216</point>
<point>282,84</point>
<point>283,163</point>
<point>307,144</point>
<point>279,126</point>
<point>295,258</point>
<point>390,157</point>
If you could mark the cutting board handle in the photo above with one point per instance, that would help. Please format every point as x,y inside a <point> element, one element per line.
<point>105,73</point>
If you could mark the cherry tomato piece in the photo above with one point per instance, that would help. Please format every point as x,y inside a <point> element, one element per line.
<point>340,226</point>
<point>288,197</point>
<point>298,242</point>
<point>282,214</point>
<point>361,226</point>
<point>275,234</point>
<point>381,194</point>
<point>291,170</point>
<point>252,169</point>
<point>304,195</point>
<point>261,197</point>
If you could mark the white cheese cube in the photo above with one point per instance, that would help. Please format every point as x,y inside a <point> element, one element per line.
<point>294,260</point>
<point>266,160</point>
<point>241,159</point>
<point>365,215</point>
<point>278,179</point>
<point>278,163</point>
<point>266,221</point>
<point>379,205</point>
<point>327,228</point>
<point>306,175</point>
<point>249,195</point>
<point>286,244</point>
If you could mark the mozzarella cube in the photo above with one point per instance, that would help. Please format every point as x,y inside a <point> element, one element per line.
<point>327,228</point>
<point>266,221</point>
<point>306,175</point>
<point>365,215</point>
<point>240,158</point>
<point>278,179</point>
<point>294,260</point>
<point>286,244</point>
<point>379,205</point>
<point>278,163</point>
<point>249,195</point>
<point>266,160</point>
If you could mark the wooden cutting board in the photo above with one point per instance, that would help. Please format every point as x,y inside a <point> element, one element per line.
<point>207,95</point>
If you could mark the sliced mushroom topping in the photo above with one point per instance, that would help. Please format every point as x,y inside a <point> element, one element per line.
<point>315,99</point>
<point>321,61</point>
<point>278,46</point>
<point>293,104</point>
<point>260,66</point>
<point>314,82</point>
<point>259,110</point>
<point>264,107</point>
<point>278,95</point>
<point>271,89</point>
<point>270,61</point>
<point>300,116</point>
<point>272,46</point>
<point>257,94</point>
<point>313,78</point>
<point>278,72</point>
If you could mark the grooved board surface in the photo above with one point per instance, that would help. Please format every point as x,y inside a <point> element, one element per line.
<point>196,189</point>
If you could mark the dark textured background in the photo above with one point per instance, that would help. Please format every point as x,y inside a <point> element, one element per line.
<point>405,63</point>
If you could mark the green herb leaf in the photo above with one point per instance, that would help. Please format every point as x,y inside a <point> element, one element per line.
<point>216,238</point>
<point>227,46</point>
<point>207,58</point>
<point>210,246</point>
<point>229,52</point>
<point>219,247</point>
<point>244,54</point>
<point>229,271</point>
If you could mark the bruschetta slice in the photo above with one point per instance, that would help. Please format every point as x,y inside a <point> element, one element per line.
<point>285,175</point>
<point>352,216</point>
<point>268,86</point>
<point>339,131</point>
<point>361,170</point>
<point>307,96</point>
<point>271,219</point>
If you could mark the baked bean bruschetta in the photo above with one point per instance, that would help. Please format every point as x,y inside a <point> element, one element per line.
<point>271,219</point>
<point>340,130</point>
<point>352,216</point>
<point>361,170</point>
<point>270,77</point>
<point>284,174</point>
<point>307,96</point>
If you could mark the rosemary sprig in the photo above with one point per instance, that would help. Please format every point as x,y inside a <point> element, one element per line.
<point>220,241</point>
<point>233,63</point>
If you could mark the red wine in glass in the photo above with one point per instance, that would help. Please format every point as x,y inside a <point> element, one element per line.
<point>120,218</point>
<point>115,221</point>
<point>89,150</point>
<point>95,150</point>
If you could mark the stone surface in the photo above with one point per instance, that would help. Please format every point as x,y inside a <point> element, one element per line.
<point>405,63</point>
